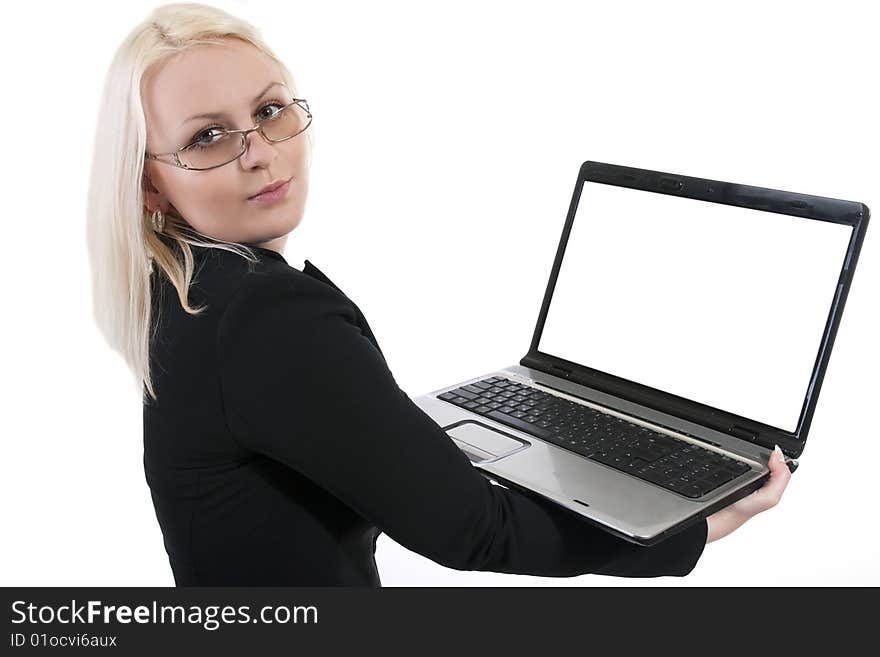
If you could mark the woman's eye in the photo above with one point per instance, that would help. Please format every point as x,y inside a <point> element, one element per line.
<point>207,134</point>
<point>266,116</point>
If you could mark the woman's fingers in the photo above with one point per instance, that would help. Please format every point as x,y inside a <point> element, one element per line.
<point>770,493</point>
<point>779,477</point>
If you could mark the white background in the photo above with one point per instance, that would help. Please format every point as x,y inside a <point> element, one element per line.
<point>448,138</point>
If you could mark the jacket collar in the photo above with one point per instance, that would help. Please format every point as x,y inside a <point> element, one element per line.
<point>314,272</point>
<point>308,269</point>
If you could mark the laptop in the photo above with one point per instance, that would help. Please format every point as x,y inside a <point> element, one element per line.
<point>685,330</point>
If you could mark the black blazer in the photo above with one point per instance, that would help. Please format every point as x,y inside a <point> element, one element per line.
<point>281,446</point>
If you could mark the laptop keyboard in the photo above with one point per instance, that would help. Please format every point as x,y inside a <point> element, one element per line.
<point>676,465</point>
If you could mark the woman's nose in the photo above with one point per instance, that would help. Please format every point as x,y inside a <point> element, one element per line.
<point>257,149</point>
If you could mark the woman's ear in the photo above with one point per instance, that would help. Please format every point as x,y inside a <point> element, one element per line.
<point>153,198</point>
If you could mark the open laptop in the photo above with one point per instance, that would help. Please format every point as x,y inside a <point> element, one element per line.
<point>685,330</point>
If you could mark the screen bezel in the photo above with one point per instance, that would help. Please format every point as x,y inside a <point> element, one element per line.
<point>806,206</point>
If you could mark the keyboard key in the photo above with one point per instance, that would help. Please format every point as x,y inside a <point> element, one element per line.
<point>719,477</point>
<point>651,475</point>
<point>692,491</point>
<point>687,478</point>
<point>602,457</point>
<point>517,423</point>
<point>645,454</point>
<point>633,465</point>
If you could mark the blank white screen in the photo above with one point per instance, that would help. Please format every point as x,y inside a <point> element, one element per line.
<point>722,305</point>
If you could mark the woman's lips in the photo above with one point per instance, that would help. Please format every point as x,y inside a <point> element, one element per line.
<point>274,195</point>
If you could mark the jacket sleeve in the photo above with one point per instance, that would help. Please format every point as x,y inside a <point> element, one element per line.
<point>303,385</point>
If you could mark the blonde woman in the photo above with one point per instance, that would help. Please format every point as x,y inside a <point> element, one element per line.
<point>277,444</point>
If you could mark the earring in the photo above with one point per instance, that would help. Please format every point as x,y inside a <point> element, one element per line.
<point>158,221</point>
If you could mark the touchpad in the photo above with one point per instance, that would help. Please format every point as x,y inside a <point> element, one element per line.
<point>483,443</point>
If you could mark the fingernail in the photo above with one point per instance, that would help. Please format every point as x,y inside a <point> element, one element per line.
<point>779,454</point>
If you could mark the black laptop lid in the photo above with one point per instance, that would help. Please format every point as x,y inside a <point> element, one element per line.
<point>713,301</point>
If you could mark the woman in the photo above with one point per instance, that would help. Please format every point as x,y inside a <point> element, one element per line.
<point>277,445</point>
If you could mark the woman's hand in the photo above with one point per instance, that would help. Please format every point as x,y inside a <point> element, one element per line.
<point>730,518</point>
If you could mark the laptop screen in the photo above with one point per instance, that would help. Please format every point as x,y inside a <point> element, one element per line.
<point>719,304</point>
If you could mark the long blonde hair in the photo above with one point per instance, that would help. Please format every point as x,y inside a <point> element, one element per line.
<point>122,244</point>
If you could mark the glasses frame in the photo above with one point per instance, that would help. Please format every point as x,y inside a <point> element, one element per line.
<point>258,126</point>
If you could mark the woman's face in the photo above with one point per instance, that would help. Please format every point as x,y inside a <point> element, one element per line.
<point>224,79</point>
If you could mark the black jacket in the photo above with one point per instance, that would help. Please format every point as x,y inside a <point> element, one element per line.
<point>281,446</point>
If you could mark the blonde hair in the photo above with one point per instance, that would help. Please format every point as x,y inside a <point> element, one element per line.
<point>122,244</point>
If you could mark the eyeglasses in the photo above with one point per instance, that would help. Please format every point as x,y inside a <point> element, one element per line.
<point>228,145</point>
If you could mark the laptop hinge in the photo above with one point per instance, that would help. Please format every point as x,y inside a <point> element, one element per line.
<point>747,434</point>
<point>564,371</point>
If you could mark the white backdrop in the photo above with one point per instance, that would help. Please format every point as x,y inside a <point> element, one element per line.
<point>448,138</point>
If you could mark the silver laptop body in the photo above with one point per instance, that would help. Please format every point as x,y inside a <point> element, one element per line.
<point>510,453</point>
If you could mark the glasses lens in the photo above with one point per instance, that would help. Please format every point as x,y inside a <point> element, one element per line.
<point>215,148</point>
<point>288,122</point>
<point>211,150</point>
